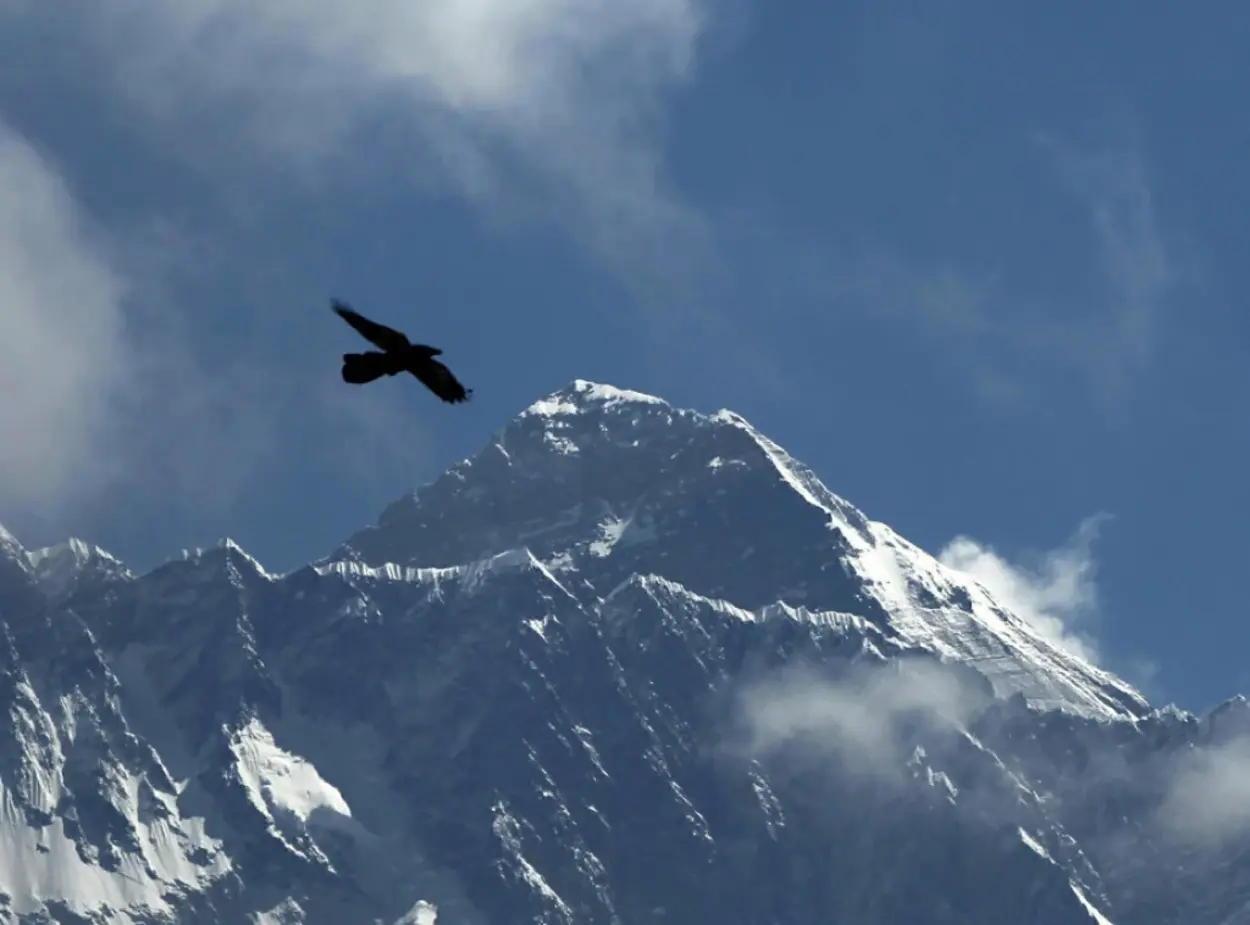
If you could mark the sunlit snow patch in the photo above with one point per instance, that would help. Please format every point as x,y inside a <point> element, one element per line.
<point>44,864</point>
<point>287,912</point>
<point>608,395</point>
<point>286,788</point>
<point>582,393</point>
<point>56,567</point>
<point>422,913</point>
<point>508,832</point>
<point>1097,917</point>
<point>617,531</point>
<point>1033,844</point>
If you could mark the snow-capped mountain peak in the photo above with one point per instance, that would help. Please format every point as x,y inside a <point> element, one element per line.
<point>582,395</point>
<point>601,483</point>
<point>61,568</point>
<point>628,663</point>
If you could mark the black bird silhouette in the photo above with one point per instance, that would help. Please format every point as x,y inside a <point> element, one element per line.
<point>398,355</point>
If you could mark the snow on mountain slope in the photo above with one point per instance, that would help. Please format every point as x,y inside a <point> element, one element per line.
<point>706,500</point>
<point>629,664</point>
<point>88,816</point>
<point>68,567</point>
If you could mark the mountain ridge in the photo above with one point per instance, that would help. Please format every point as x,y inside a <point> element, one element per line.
<point>869,554</point>
<point>629,663</point>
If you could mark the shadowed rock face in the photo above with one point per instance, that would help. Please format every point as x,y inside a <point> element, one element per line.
<point>629,664</point>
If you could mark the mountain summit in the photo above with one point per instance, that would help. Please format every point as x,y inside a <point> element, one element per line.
<point>603,484</point>
<point>628,664</point>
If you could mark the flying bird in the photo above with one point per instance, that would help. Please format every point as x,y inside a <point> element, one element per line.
<point>398,355</point>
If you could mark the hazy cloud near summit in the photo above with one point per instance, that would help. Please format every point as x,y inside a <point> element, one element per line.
<point>1208,797</point>
<point>1056,593</point>
<point>855,719</point>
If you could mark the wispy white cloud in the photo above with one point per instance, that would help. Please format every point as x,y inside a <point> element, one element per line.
<point>856,719</point>
<point>1143,672</point>
<point>1208,798</point>
<point>1138,265</point>
<point>557,98</point>
<point>107,399</point>
<point>101,396</point>
<point>1055,592</point>
<point>64,349</point>
<point>1105,330</point>
<point>537,109</point>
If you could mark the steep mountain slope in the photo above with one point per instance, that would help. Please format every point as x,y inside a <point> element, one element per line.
<point>629,664</point>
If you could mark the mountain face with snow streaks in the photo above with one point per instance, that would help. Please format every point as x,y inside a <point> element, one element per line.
<point>628,664</point>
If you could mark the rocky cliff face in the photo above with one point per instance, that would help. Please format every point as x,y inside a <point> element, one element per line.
<point>629,664</point>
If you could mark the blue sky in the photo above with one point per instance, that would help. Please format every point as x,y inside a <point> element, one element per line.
<point>981,265</point>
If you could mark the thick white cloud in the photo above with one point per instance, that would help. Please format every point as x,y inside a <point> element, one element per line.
<point>1055,594</point>
<point>63,347</point>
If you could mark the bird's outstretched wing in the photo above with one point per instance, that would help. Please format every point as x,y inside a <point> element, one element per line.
<point>439,379</point>
<point>379,334</point>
